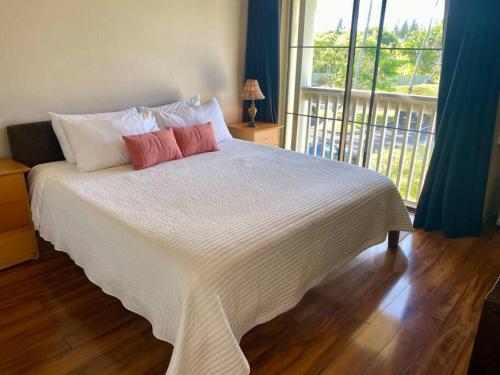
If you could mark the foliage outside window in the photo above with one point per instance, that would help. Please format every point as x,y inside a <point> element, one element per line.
<point>400,50</point>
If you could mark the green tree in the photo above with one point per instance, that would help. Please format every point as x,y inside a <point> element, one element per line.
<point>404,30</point>
<point>414,26</point>
<point>331,62</point>
<point>395,66</point>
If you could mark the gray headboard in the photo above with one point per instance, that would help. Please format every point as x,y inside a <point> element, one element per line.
<point>34,143</point>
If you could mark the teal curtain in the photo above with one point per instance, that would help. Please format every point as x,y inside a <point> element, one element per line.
<point>453,194</point>
<point>263,56</point>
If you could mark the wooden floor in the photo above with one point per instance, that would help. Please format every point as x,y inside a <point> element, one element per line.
<point>414,310</point>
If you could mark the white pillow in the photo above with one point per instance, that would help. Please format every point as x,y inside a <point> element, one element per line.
<point>61,134</point>
<point>207,112</point>
<point>98,144</point>
<point>174,107</point>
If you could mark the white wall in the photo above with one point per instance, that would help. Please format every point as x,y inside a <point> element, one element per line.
<point>82,56</point>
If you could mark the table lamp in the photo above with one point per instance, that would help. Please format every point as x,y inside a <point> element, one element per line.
<point>252,92</point>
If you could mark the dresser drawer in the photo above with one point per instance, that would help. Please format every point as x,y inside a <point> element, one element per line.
<point>14,215</point>
<point>12,188</point>
<point>267,137</point>
<point>17,246</point>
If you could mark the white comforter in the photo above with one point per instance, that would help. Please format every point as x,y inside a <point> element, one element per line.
<point>209,246</point>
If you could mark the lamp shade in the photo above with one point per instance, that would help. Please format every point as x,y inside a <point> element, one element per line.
<point>251,91</point>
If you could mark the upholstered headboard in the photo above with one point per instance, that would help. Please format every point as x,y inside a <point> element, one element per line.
<point>34,143</point>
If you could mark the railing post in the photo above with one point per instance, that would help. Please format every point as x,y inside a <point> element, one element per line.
<point>416,143</point>
<point>397,114</point>
<point>334,126</point>
<point>427,150</point>
<point>325,117</point>
<point>362,150</point>
<point>406,129</point>
<point>371,134</point>
<point>352,129</point>
<point>382,135</point>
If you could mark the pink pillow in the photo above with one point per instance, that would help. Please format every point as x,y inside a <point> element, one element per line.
<point>196,139</point>
<point>153,148</point>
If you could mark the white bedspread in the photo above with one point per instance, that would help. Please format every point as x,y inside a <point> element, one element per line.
<point>209,246</point>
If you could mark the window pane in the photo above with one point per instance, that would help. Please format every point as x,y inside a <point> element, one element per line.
<point>322,127</point>
<point>368,22</point>
<point>317,75</point>
<point>413,24</point>
<point>328,21</point>
<point>364,64</point>
<point>354,142</point>
<point>329,67</point>
<point>409,72</point>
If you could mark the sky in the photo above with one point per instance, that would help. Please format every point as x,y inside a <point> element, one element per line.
<point>329,12</point>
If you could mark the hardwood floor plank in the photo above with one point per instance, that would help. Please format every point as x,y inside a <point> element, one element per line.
<point>78,356</point>
<point>452,339</point>
<point>412,311</point>
<point>375,336</point>
<point>403,348</point>
<point>23,354</point>
<point>301,350</point>
<point>127,358</point>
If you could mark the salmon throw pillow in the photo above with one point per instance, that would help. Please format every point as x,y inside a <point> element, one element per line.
<point>196,139</point>
<point>152,148</point>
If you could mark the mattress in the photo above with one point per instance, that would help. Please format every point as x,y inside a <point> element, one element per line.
<point>209,246</point>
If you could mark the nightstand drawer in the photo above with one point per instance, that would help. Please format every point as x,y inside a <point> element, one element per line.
<point>267,137</point>
<point>17,246</point>
<point>12,188</point>
<point>14,215</point>
<point>264,133</point>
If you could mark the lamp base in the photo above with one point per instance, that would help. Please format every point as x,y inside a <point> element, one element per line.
<point>252,112</point>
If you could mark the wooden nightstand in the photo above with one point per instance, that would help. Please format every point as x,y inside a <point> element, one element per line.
<point>17,236</point>
<point>264,134</point>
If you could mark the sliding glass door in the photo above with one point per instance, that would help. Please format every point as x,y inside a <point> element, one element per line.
<point>362,84</point>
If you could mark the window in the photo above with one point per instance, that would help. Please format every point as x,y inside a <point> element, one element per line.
<point>362,84</point>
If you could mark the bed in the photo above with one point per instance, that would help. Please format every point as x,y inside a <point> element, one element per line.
<point>209,246</point>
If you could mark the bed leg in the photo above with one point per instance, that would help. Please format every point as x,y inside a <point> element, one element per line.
<point>393,239</point>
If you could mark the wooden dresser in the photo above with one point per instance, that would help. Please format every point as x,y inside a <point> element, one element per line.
<point>17,236</point>
<point>265,133</point>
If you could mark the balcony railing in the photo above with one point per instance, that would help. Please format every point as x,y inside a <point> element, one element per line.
<point>400,140</point>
